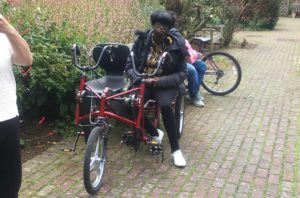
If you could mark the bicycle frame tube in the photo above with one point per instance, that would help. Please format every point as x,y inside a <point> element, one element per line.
<point>81,87</point>
<point>140,102</point>
<point>137,123</point>
<point>212,63</point>
<point>214,67</point>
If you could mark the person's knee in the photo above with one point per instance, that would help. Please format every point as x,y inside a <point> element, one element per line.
<point>203,69</point>
<point>190,69</point>
<point>203,66</point>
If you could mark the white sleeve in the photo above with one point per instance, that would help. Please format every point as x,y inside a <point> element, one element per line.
<point>5,43</point>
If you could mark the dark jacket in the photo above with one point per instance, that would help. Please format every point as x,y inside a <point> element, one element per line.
<point>174,72</point>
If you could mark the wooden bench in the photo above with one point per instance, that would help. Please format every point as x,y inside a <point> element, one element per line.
<point>212,35</point>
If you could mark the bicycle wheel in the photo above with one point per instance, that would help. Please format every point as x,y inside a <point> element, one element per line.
<point>95,160</point>
<point>223,74</point>
<point>179,114</point>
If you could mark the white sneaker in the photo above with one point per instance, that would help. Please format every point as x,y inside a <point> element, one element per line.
<point>178,158</point>
<point>201,98</point>
<point>187,96</point>
<point>198,103</point>
<point>159,137</point>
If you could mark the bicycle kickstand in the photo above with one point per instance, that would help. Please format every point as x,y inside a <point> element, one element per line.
<point>74,145</point>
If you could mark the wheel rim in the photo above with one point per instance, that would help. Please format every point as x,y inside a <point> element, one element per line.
<point>223,79</point>
<point>97,163</point>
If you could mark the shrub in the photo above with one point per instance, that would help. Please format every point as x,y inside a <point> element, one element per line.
<point>192,16</point>
<point>261,14</point>
<point>50,89</point>
<point>230,12</point>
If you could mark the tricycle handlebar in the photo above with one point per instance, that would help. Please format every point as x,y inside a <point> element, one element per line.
<point>159,64</point>
<point>75,51</point>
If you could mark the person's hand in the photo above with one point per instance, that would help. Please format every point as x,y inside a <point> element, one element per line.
<point>5,27</point>
<point>152,81</point>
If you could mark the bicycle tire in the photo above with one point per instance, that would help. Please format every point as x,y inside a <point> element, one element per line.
<point>230,73</point>
<point>95,160</point>
<point>179,114</point>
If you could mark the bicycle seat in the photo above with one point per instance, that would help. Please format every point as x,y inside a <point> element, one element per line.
<point>113,62</point>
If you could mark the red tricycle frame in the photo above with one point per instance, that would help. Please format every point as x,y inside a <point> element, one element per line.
<point>137,123</point>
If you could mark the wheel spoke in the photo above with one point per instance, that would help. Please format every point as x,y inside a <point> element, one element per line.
<point>97,147</point>
<point>94,163</point>
<point>223,73</point>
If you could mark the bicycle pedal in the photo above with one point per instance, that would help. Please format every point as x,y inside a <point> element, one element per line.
<point>155,148</point>
<point>158,155</point>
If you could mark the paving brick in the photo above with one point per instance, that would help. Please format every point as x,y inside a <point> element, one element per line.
<point>272,190</point>
<point>274,179</point>
<point>213,192</point>
<point>262,173</point>
<point>244,188</point>
<point>247,177</point>
<point>46,190</point>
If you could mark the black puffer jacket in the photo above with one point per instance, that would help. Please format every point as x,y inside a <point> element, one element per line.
<point>174,72</point>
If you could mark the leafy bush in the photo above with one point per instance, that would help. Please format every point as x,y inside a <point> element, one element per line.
<point>261,14</point>
<point>50,89</point>
<point>192,16</point>
<point>230,14</point>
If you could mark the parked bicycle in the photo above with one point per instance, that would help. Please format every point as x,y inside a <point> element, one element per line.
<point>100,99</point>
<point>223,72</point>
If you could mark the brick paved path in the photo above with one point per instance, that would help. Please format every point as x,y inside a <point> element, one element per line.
<point>246,144</point>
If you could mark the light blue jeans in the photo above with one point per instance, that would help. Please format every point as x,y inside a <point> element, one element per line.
<point>195,75</point>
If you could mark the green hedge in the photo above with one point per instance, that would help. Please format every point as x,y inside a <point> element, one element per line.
<point>49,90</point>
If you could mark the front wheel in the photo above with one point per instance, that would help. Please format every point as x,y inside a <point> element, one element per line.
<point>223,74</point>
<point>179,114</point>
<point>95,159</point>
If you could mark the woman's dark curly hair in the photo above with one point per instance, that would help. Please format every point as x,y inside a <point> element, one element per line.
<point>163,17</point>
